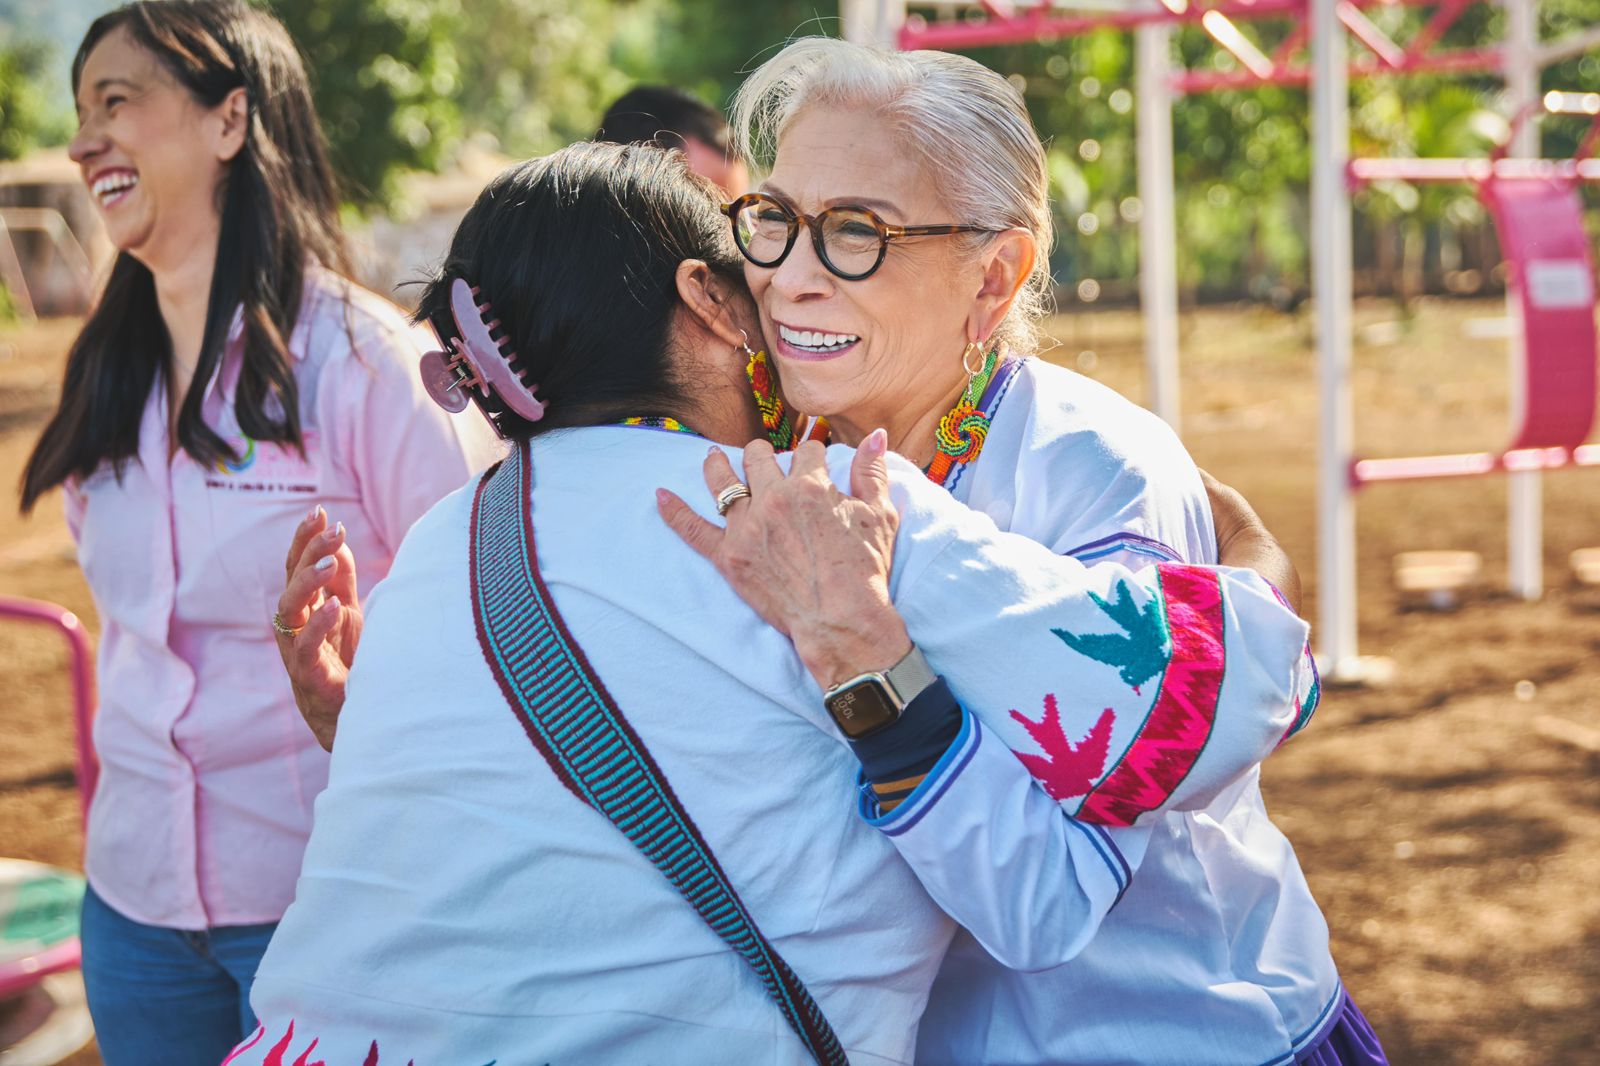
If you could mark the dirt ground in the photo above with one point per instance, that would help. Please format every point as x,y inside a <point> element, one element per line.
<point>1454,848</point>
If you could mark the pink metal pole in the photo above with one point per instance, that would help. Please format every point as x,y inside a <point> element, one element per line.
<point>1462,61</point>
<point>25,973</point>
<point>1231,39</point>
<point>1362,171</point>
<point>83,691</point>
<point>1037,24</point>
<point>1367,32</point>
<point>1470,464</point>
<point>1006,24</point>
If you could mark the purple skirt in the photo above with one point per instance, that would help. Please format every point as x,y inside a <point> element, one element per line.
<point>1350,1042</point>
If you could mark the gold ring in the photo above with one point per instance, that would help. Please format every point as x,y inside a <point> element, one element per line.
<point>284,628</point>
<point>731,495</point>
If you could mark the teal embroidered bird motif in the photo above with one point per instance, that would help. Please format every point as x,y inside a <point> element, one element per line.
<point>1140,654</point>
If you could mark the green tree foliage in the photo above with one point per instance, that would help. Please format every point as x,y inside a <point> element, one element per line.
<point>707,48</point>
<point>27,115</point>
<point>399,83</point>
<point>386,75</point>
<point>538,73</point>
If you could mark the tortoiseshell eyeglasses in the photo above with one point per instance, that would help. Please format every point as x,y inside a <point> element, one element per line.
<point>850,241</point>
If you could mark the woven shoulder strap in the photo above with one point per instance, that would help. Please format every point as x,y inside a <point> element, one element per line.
<point>576,725</point>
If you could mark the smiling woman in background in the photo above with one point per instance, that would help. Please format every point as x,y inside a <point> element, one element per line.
<point>229,380</point>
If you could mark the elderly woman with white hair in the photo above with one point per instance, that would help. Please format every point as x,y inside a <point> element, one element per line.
<point>897,255</point>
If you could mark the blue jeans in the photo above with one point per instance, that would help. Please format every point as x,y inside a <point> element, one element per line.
<point>169,996</point>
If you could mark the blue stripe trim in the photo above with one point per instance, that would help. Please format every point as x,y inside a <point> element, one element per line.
<point>934,785</point>
<point>1099,845</point>
<point>1313,1032</point>
<point>1127,542</point>
<point>1122,860</point>
<point>1124,549</point>
<point>1318,1031</point>
<point>1313,697</point>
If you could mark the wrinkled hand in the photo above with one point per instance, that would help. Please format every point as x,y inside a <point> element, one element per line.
<point>813,562</point>
<point>319,598</point>
<point>1243,540</point>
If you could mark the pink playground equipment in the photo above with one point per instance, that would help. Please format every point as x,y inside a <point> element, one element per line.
<point>71,629</point>
<point>40,939</point>
<point>1538,216</point>
<point>1534,204</point>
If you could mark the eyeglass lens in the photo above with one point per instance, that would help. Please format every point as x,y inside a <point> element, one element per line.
<point>851,238</point>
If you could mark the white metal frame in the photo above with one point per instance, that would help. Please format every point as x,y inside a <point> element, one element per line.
<point>1525,495</point>
<point>1158,224</point>
<point>1331,287</point>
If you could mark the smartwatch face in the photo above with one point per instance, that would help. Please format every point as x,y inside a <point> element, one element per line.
<point>862,708</point>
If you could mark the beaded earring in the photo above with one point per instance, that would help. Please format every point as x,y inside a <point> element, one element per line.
<point>962,430</point>
<point>774,417</point>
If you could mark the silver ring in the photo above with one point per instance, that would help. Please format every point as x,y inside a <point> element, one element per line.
<point>731,495</point>
<point>284,628</point>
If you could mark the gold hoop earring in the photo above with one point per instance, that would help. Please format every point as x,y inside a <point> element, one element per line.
<point>966,359</point>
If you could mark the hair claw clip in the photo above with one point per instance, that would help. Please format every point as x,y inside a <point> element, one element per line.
<point>475,359</point>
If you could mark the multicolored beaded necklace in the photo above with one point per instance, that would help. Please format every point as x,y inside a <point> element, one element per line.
<point>671,425</point>
<point>774,416</point>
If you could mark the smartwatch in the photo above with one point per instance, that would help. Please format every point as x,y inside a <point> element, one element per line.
<point>869,702</point>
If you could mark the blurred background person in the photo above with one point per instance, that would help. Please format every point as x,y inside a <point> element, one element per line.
<point>671,118</point>
<point>229,379</point>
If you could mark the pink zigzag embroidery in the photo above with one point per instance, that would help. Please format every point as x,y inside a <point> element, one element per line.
<point>1179,724</point>
<point>1066,769</point>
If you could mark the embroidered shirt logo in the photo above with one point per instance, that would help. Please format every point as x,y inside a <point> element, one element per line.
<point>1141,653</point>
<point>273,469</point>
<point>1066,769</point>
<point>247,458</point>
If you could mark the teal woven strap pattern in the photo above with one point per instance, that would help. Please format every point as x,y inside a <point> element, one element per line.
<point>571,718</point>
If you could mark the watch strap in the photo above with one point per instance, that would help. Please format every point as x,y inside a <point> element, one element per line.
<point>910,676</point>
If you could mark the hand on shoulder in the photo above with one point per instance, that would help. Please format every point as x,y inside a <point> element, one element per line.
<point>813,562</point>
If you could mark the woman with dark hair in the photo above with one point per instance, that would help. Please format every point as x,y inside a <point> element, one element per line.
<point>229,379</point>
<point>584,804</point>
